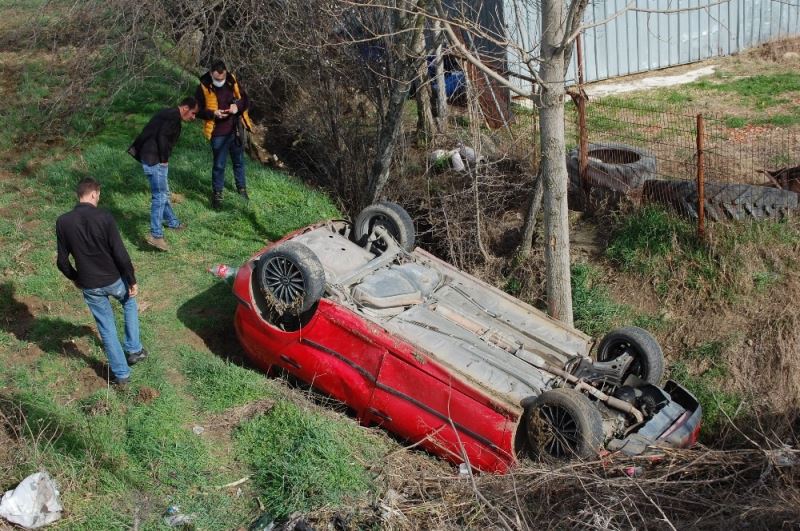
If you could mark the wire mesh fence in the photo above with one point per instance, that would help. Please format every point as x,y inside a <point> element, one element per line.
<point>702,165</point>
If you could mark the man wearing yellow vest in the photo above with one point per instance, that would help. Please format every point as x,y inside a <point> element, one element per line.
<point>223,105</point>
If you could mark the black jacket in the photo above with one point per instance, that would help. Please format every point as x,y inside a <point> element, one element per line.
<point>154,144</point>
<point>91,236</point>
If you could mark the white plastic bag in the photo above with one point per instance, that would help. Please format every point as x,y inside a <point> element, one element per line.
<point>33,504</point>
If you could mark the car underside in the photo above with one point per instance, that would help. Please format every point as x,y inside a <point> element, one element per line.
<point>551,400</point>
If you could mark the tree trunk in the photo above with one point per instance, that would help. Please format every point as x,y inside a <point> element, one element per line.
<point>425,123</point>
<point>554,165</point>
<point>530,219</point>
<point>441,93</point>
<point>406,62</point>
<point>387,139</point>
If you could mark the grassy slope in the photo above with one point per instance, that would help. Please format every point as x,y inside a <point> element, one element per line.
<point>123,457</point>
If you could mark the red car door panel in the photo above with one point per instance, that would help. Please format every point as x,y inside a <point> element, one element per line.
<point>421,407</point>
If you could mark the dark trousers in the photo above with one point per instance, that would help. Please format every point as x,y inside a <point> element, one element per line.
<point>221,146</point>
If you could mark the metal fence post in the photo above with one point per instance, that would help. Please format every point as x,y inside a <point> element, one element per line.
<point>701,200</point>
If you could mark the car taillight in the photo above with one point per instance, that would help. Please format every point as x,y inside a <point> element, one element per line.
<point>695,435</point>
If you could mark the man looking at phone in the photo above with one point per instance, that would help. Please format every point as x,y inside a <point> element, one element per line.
<point>223,105</point>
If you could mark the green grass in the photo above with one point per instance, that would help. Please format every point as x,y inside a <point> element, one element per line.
<point>780,120</point>
<point>303,459</point>
<point>719,404</point>
<point>121,453</point>
<point>655,243</point>
<point>593,309</point>
<point>663,248</point>
<point>735,122</point>
<point>218,384</point>
<point>760,91</point>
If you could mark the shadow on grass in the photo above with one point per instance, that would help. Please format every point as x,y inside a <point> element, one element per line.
<point>33,417</point>
<point>134,221</point>
<point>209,314</point>
<point>49,334</point>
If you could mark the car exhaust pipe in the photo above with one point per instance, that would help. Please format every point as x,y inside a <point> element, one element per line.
<point>581,385</point>
<point>223,271</point>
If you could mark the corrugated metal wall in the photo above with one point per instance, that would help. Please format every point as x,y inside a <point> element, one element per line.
<point>638,41</point>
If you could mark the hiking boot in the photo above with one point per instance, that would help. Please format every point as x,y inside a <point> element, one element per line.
<point>216,200</point>
<point>136,357</point>
<point>121,383</point>
<point>158,243</point>
<point>179,227</point>
<point>243,192</point>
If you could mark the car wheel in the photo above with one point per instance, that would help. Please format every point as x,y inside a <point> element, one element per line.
<point>392,217</point>
<point>648,358</point>
<point>563,424</point>
<point>291,278</point>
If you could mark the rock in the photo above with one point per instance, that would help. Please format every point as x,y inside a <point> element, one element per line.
<point>187,50</point>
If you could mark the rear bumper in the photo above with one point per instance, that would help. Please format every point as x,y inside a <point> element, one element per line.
<point>676,425</point>
<point>684,431</point>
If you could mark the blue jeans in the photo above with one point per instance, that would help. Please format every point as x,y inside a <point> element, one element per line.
<point>97,299</point>
<point>160,207</point>
<point>220,147</point>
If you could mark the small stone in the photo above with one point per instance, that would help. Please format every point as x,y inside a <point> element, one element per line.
<point>749,342</point>
<point>197,430</point>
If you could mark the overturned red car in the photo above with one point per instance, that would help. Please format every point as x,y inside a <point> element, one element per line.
<point>444,360</point>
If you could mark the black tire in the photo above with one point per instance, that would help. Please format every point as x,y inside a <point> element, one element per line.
<point>563,424</point>
<point>648,357</point>
<point>291,278</point>
<point>391,216</point>
<point>724,201</point>
<point>616,167</point>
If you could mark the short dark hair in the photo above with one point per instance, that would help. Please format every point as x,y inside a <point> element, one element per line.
<point>218,66</point>
<point>188,102</point>
<point>86,186</point>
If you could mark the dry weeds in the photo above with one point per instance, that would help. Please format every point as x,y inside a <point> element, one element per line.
<point>755,487</point>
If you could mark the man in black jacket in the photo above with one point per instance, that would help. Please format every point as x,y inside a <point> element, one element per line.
<point>152,148</point>
<point>102,269</point>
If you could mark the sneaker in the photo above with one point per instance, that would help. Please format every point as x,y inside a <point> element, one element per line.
<point>121,383</point>
<point>216,200</point>
<point>179,227</point>
<point>243,192</point>
<point>158,243</point>
<point>136,357</point>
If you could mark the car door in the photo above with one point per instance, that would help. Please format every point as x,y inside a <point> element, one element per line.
<point>339,357</point>
<point>420,400</point>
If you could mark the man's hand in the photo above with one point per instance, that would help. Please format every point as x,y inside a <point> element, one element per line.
<point>219,113</point>
<point>233,109</point>
<point>133,290</point>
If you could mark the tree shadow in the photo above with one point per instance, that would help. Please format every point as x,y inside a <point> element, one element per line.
<point>49,334</point>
